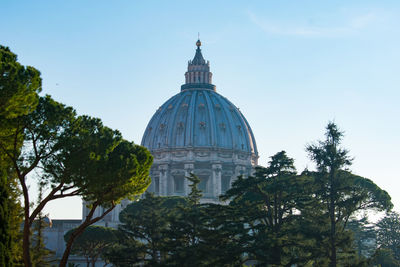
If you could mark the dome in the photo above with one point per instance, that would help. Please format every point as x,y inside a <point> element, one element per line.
<point>199,118</point>
<point>201,132</point>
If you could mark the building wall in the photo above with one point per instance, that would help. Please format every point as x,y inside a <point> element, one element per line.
<point>216,168</point>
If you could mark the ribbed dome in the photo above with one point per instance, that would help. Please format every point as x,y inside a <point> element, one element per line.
<point>199,118</point>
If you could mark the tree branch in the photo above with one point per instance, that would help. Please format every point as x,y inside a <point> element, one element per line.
<point>41,205</point>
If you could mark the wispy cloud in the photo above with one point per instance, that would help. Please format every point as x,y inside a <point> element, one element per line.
<point>290,28</point>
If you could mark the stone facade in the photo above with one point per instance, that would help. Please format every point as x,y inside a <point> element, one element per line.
<point>216,168</point>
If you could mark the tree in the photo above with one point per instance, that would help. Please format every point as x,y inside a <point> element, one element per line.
<point>39,253</point>
<point>384,258</point>
<point>364,236</point>
<point>124,252</point>
<point>76,156</point>
<point>92,243</point>
<point>161,231</point>
<point>16,216</point>
<point>19,88</point>
<point>195,193</point>
<point>388,234</point>
<point>269,203</point>
<point>224,240</point>
<point>341,192</point>
<point>142,233</point>
<point>186,226</point>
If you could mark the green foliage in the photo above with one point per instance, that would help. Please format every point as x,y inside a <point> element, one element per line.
<point>39,253</point>
<point>364,236</point>
<point>274,218</point>
<point>5,235</point>
<point>77,156</point>
<point>93,243</point>
<point>19,87</point>
<point>388,234</point>
<point>125,252</point>
<point>16,217</point>
<point>224,239</point>
<point>269,204</point>
<point>195,193</point>
<point>384,258</point>
<point>142,233</point>
<point>41,256</point>
<point>340,192</point>
<point>161,230</point>
<point>185,229</point>
<point>95,159</point>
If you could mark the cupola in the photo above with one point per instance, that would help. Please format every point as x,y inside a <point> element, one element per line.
<point>198,75</point>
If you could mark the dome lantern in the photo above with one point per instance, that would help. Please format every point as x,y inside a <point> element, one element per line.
<point>198,74</point>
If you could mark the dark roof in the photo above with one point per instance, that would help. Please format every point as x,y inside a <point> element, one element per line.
<point>198,58</point>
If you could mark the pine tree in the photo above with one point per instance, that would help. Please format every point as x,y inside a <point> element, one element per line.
<point>341,193</point>
<point>19,87</point>
<point>93,243</point>
<point>267,206</point>
<point>143,235</point>
<point>186,224</point>
<point>364,236</point>
<point>388,233</point>
<point>195,193</point>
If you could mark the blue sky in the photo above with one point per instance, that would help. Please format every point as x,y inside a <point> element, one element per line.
<point>290,66</point>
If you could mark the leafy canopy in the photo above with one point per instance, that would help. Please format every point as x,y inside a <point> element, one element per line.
<point>19,88</point>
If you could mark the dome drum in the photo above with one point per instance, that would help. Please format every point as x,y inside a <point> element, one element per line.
<point>198,86</point>
<point>215,178</point>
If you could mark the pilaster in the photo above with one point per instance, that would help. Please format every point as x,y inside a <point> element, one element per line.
<point>216,179</point>
<point>163,179</point>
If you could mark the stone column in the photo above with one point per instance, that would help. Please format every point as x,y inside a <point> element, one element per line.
<point>163,179</point>
<point>152,187</point>
<point>189,167</point>
<point>216,182</point>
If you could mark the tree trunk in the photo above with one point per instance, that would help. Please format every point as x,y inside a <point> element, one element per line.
<point>25,244</point>
<point>26,233</point>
